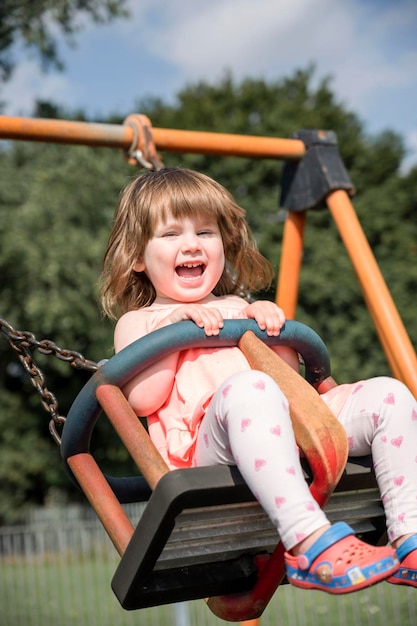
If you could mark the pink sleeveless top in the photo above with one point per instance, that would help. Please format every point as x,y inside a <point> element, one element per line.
<point>200,372</point>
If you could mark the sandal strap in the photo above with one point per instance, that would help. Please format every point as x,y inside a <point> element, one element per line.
<point>406,547</point>
<point>332,535</point>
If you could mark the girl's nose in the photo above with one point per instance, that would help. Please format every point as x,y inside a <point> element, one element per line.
<point>191,242</point>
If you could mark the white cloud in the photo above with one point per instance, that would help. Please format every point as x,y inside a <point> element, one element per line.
<point>30,84</point>
<point>269,38</point>
<point>204,38</point>
<point>234,34</point>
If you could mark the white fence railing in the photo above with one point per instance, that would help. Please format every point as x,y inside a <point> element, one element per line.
<point>56,571</point>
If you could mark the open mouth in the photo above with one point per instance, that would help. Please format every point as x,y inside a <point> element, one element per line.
<point>190,271</point>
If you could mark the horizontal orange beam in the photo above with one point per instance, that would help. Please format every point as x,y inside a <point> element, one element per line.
<point>121,136</point>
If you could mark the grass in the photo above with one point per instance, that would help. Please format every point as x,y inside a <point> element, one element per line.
<point>382,605</point>
<point>58,591</point>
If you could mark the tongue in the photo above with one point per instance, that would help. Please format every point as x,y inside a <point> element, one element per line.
<point>189,271</point>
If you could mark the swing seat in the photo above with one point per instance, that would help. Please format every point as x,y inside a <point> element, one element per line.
<point>211,530</point>
<point>202,533</point>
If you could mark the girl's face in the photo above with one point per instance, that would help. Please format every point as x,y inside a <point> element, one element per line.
<point>184,259</point>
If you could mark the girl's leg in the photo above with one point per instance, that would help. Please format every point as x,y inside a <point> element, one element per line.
<point>248,424</point>
<point>380,418</point>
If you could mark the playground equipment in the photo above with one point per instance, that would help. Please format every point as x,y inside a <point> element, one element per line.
<point>176,551</point>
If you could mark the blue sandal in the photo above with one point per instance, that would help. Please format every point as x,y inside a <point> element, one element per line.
<point>407,555</point>
<point>338,562</point>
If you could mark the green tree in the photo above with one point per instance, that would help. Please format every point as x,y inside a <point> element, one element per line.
<point>56,206</point>
<point>33,23</point>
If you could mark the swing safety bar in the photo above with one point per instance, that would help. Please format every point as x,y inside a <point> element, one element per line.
<point>299,153</point>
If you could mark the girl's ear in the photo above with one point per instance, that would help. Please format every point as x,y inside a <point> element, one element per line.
<point>139,266</point>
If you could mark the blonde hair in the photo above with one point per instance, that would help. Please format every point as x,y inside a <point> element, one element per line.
<point>182,192</point>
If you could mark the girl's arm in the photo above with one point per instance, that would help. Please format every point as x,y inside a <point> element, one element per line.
<point>271,318</point>
<point>289,355</point>
<point>148,391</point>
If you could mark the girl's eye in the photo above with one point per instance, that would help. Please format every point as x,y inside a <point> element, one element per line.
<point>205,232</point>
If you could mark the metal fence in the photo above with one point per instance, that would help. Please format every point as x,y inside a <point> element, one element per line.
<point>56,569</point>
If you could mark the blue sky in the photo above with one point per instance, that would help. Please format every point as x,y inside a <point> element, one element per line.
<point>369,47</point>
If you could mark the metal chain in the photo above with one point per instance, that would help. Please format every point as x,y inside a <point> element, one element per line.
<point>24,342</point>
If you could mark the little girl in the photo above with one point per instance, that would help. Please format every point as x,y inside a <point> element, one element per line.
<point>180,249</point>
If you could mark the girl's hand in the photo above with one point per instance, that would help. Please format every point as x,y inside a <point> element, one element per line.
<point>208,318</point>
<point>267,314</point>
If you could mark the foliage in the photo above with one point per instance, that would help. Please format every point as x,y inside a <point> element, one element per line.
<point>35,25</point>
<point>53,231</point>
<point>56,205</point>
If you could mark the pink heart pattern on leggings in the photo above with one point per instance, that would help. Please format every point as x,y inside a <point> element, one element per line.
<point>226,390</point>
<point>275,430</point>
<point>397,441</point>
<point>244,424</point>
<point>279,501</point>
<point>259,464</point>
<point>390,399</point>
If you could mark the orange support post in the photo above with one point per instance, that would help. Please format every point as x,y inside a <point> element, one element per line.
<point>290,263</point>
<point>394,338</point>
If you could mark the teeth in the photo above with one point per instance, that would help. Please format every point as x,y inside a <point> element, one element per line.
<point>191,265</point>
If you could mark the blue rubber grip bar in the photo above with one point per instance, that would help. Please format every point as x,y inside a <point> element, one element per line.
<point>139,355</point>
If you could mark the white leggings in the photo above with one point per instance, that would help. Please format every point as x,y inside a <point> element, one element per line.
<point>248,424</point>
